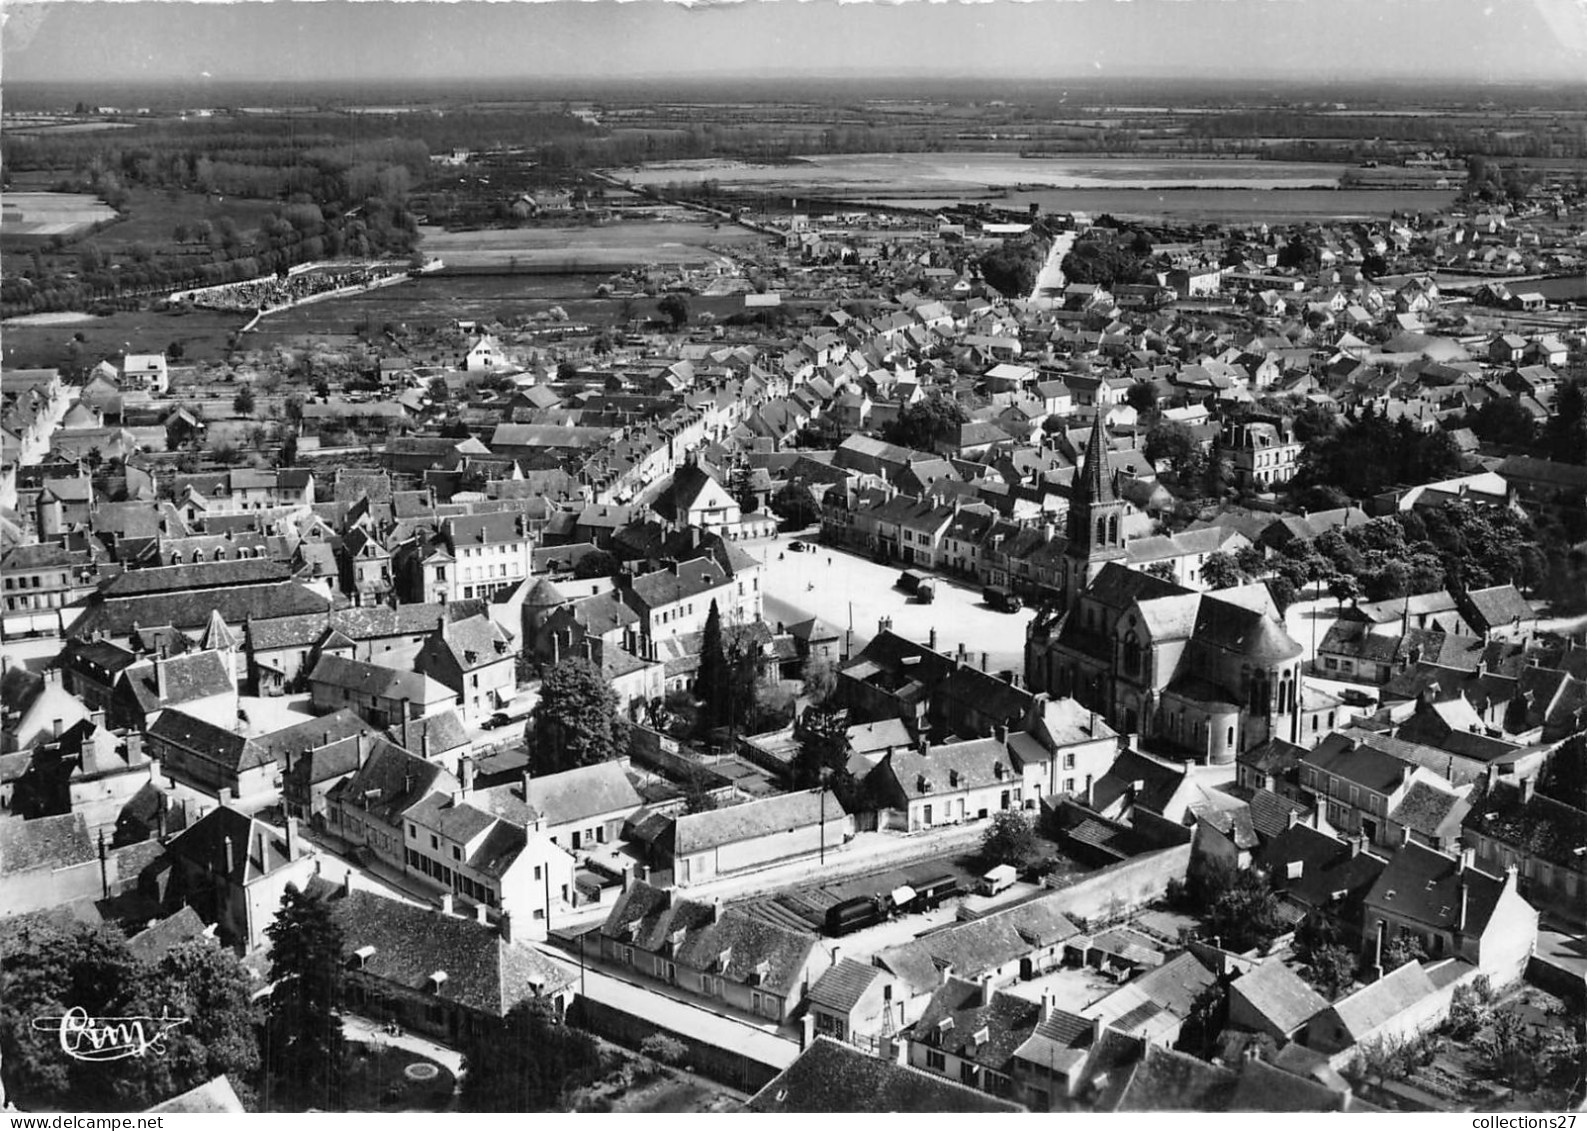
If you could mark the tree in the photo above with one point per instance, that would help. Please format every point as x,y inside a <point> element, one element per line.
<point>597,563</point>
<point>303,1032</point>
<point>1141,396</point>
<point>1172,441</point>
<point>207,985</point>
<point>1219,571</point>
<point>820,678</point>
<point>674,308</point>
<point>713,681</point>
<point>288,456</point>
<point>1315,422</point>
<point>576,721</point>
<point>48,966</point>
<point>526,1061</point>
<point>243,402</point>
<point>1502,420</point>
<point>1101,261</point>
<point>923,423</point>
<point>1163,570</point>
<point>1402,949</point>
<point>796,506</point>
<point>1283,592</point>
<point>697,794</point>
<point>1013,266</point>
<point>1565,434</point>
<point>1209,1013</point>
<point>823,754</point>
<point>1342,587</point>
<point>1009,840</point>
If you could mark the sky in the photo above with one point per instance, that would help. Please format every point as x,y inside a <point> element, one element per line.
<point>1447,40</point>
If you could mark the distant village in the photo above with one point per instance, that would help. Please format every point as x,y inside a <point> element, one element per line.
<point>1205,782</point>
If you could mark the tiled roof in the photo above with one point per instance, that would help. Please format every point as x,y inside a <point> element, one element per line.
<point>256,849</point>
<point>1539,826</point>
<point>163,934</point>
<point>1279,995</point>
<point>697,832</point>
<point>198,575</point>
<point>1371,1006</point>
<point>44,843</point>
<point>578,794</point>
<point>831,1076</point>
<point>196,675</point>
<point>409,944</point>
<point>190,611</point>
<point>844,984</point>
<point>232,750</point>
<point>1428,888</point>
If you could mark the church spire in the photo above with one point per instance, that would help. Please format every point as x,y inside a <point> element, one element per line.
<point>1097,484</point>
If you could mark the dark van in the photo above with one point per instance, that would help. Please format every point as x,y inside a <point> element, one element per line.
<point>932,894</point>
<point>1002,598</point>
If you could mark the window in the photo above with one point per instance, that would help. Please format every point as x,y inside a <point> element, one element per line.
<point>936,1061</point>
<point>457,853</point>
<point>435,841</point>
<point>413,832</point>
<point>1069,785</point>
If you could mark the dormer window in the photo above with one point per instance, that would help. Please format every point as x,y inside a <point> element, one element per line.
<point>762,972</point>
<point>723,959</point>
<point>944,1027</point>
<point>435,981</point>
<point>361,957</point>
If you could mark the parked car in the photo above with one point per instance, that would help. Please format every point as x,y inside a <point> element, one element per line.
<point>910,580</point>
<point>797,547</point>
<point>1355,698</point>
<point>499,719</point>
<point>926,592</point>
<point>1002,598</point>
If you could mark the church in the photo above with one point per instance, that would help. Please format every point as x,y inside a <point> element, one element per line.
<point>1198,676</point>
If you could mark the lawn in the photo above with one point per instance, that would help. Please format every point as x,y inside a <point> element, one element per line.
<point>582,247</point>
<point>631,1082</point>
<point>382,1078</point>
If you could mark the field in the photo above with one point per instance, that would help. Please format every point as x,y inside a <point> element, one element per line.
<point>36,216</point>
<point>436,299</point>
<point>608,248</point>
<point>152,215</point>
<point>908,173</point>
<point>1191,190</point>
<point>203,335</point>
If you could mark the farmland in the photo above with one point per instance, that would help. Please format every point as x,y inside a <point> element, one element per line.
<point>202,333</point>
<point>569,249</point>
<point>34,217</point>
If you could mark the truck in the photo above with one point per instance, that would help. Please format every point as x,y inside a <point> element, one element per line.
<point>999,879</point>
<point>926,591</point>
<point>910,580</point>
<point>1002,598</point>
<point>854,915</point>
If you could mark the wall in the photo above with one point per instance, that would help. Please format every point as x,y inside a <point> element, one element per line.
<point>1114,892</point>
<point>1428,1013</point>
<point>727,1066</point>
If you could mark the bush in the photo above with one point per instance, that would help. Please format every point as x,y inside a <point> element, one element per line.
<point>659,1046</point>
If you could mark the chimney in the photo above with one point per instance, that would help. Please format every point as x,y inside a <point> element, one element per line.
<point>931,640</point>
<point>504,925</point>
<point>292,838</point>
<point>447,903</point>
<point>1357,844</point>
<point>347,882</point>
<point>480,915</point>
<point>1526,786</point>
<point>837,954</point>
<point>924,746</point>
<point>160,686</point>
<point>1377,953</point>
<point>363,749</point>
<point>716,909</point>
<point>465,770</point>
<point>1000,732</point>
<point>984,989</point>
<point>1047,1005</point>
<point>984,658</point>
<point>1292,818</point>
<point>1467,859</point>
<point>1465,906</point>
<point>231,855</point>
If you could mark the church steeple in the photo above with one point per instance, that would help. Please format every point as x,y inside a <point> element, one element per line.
<point>1097,484</point>
<point>1096,513</point>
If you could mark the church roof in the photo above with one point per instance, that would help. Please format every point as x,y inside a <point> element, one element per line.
<point>1095,484</point>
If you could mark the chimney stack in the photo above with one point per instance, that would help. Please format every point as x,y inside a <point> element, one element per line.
<point>1527,786</point>
<point>984,658</point>
<point>447,903</point>
<point>231,856</point>
<point>931,640</point>
<point>465,770</point>
<point>504,925</point>
<point>1465,906</point>
<point>292,838</point>
<point>1467,859</point>
<point>1377,953</point>
<point>161,688</point>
